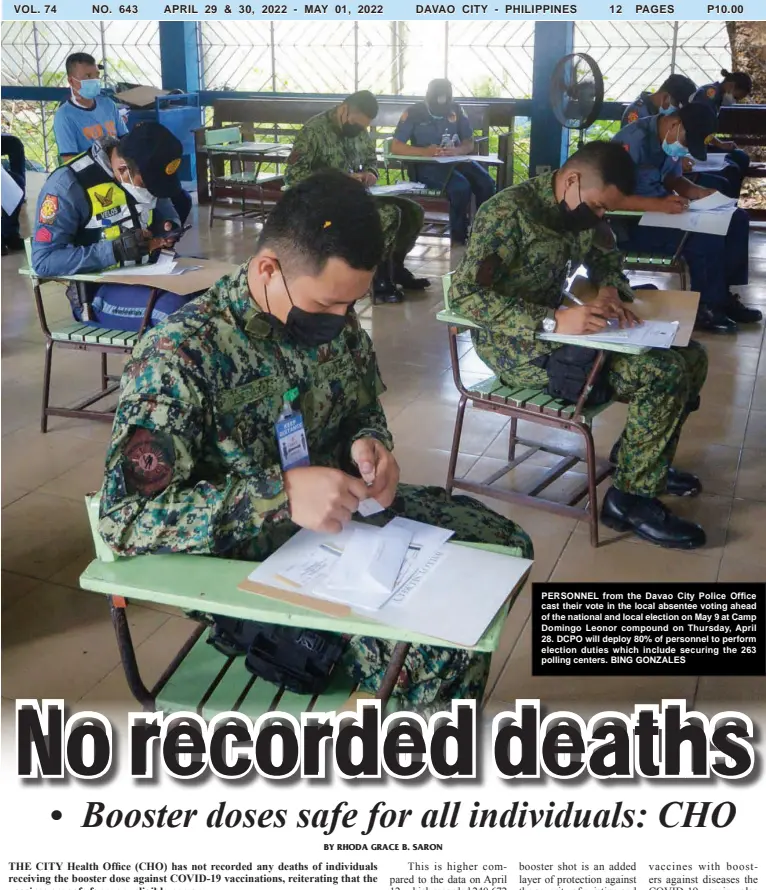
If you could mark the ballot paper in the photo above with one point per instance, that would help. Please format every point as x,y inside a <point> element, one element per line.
<point>714,162</point>
<point>655,334</point>
<point>10,191</point>
<point>165,265</point>
<point>366,573</point>
<point>395,188</point>
<point>710,215</point>
<point>369,507</point>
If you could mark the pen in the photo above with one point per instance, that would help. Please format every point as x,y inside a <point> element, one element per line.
<point>610,322</point>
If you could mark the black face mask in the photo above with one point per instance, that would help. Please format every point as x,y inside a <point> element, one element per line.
<point>308,328</point>
<point>581,218</point>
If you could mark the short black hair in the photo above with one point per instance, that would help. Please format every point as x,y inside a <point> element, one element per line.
<point>613,164</point>
<point>364,102</point>
<point>742,81</point>
<point>78,59</point>
<point>327,215</point>
<point>679,88</point>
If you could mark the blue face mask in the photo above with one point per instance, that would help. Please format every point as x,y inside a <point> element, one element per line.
<point>671,109</point>
<point>90,89</point>
<point>674,149</point>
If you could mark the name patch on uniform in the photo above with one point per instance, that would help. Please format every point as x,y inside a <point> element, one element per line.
<point>49,208</point>
<point>250,392</point>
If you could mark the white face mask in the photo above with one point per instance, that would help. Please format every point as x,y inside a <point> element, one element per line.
<point>728,99</point>
<point>141,195</point>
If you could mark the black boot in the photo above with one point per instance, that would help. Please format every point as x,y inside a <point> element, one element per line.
<point>741,314</point>
<point>384,289</point>
<point>678,483</point>
<point>716,321</point>
<point>404,278</point>
<point>651,520</point>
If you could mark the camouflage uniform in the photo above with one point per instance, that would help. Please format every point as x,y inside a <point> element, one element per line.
<point>511,277</point>
<point>193,464</point>
<point>320,146</point>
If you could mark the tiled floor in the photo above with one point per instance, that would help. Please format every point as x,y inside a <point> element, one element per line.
<point>58,640</point>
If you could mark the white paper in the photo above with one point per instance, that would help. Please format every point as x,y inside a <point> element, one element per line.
<point>395,188</point>
<point>11,192</point>
<point>456,159</point>
<point>711,215</point>
<point>714,162</point>
<point>164,266</point>
<point>655,334</point>
<point>369,507</point>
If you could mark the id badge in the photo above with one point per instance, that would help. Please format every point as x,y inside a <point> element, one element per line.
<point>291,441</point>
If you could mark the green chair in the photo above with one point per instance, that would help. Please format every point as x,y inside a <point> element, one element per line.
<point>239,183</point>
<point>534,405</point>
<point>653,263</point>
<point>198,678</point>
<point>83,337</point>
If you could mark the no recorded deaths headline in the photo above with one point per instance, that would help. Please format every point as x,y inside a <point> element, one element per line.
<point>653,742</point>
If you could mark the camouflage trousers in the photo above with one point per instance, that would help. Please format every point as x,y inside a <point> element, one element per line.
<point>660,387</point>
<point>433,676</point>
<point>402,221</point>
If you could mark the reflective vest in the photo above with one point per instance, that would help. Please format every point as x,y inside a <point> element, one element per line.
<point>112,209</point>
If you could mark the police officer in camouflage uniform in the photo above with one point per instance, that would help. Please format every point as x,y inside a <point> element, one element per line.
<point>193,465</point>
<point>339,139</point>
<point>524,242</point>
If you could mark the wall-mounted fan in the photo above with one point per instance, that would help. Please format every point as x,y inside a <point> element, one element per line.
<point>577,92</point>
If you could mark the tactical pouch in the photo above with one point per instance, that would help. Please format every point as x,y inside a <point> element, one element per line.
<point>568,369</point>
<point>300,660</point>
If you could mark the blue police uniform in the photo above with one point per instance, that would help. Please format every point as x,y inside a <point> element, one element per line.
<point>422,129</point>
<point>81,210</point>
<point>716,262</point>
<point>13,148</point>
<point>711,94</point>
<point>640,108</point>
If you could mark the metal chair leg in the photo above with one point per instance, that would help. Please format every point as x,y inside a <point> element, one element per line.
<point>455,443</point>
<point>512,439</point>
<point>104,373</point>
<point>590,464</point>
<point>46,385</point>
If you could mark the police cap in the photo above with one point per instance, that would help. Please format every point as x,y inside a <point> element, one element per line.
<point>157,154</point>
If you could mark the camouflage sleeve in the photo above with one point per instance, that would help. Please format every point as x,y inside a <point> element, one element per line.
<point>495,249</point>
<point>302,160</point>
<point>604,263</point>
<point>154,497</point>
<point>369,419</point>
<point>370,162</point>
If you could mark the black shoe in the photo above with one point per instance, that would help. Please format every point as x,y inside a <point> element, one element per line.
<point>5,250</point>
<point>679,484</point>
<point>651,520</point>
<point>385,291</point>
<point>742,314</point>
<point>14,242</point>
<point>404,278</point>
<point>716,321</point>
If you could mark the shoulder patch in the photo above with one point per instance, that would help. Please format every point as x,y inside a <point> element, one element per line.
<point>710,93</point>
<point>49,208</point>
<point>626,147</point>
<point>632,117</point>
<point>43,235</point>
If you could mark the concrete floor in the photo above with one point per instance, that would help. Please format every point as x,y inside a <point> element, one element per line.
<point>58,641</point>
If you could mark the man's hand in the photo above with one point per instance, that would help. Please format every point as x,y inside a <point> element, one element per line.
<point>726,144</point>
<point>608,300</point>
<point>323,499</point>
<point>369,178</point>
<point>673,204</point>
<point>581,320</point>
<point>161,243</point>
<point>131,246</point>
<point>703,193</point>
<point>687,165</point>
<point>379,469</point>
<point>450,152</point>
<point>431,151</point>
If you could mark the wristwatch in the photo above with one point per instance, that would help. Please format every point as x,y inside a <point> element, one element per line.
<point>549,322</point>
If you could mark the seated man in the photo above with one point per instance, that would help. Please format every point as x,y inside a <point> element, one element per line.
<point>717,263</point>
<point>674,93</point>
<point>735,87</point>
<point>194,463</point>
<point>13,149</point>
<point>87,117</point>
<point>339,139</point>
<point>109,207</point>
<point>440,127</point>
<point>524,242</point>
